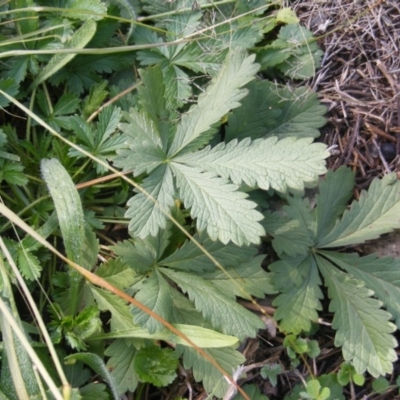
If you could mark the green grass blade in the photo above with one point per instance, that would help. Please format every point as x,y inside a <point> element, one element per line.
<point>79,40</point>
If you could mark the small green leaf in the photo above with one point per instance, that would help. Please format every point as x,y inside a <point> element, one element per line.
<point>271,372</point>
<point>380,385</point>
<point>287,16</point>
<point>298,345</point>
<point>156,366</point>
<point>313,349</point>
<point>358,379</point>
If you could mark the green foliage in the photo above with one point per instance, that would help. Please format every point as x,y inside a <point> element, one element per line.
<point>203,136</point>
<point>347,373</point>
<point>207,180</point>
<point>271,372</point>
<point>363,327</point>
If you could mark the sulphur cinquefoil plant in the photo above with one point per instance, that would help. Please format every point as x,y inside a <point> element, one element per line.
<point>305,237</point>
<point>172,94</point>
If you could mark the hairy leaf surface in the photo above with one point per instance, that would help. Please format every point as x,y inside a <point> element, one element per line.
<point>283,164</point>
<point>363,328</point>
<point>218,207</point>
<point>146,215</point>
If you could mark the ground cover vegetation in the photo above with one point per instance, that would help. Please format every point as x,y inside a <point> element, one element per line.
<point>149,151</point>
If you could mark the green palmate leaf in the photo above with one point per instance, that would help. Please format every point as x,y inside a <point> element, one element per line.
<point>289,236</point>
<point>141,255</point>
<point>298,281</point>
<point>145,144</point>
<point>156,365</point>
<point>147,217</point>
<point>376,212</point>
<point>213,381</point>
<point>154,293</point>
<point>79,40</point>
<point>219,308</point>
<point>221,95</point>
<point>382,275</point>
<point>271,372</point>
<point>334,193</point>
<point>121,364</point>
<point>363,328</point>
<point>102,142</point>
<point>283,164</point>
<point>191,258</point>
<point>218,207</point>
<point>251,279</point>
